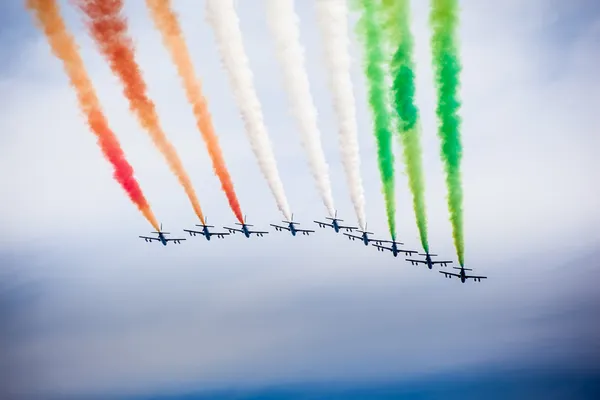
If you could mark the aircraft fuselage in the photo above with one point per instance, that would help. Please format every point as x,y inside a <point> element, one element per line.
<point>428,261</point>
<point>245,231</point>
<point>365,238</point>
<point>162,239</point>
<point>336,227</point>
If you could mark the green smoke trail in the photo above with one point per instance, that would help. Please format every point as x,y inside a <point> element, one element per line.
<point>400,40</point>
<point>370,36</point>
<point>444,20</point>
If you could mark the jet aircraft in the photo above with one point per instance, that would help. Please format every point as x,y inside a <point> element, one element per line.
<point>334,224</point>
<point>161,237</point>
<point>394,248</point>
<point>428,261</point>
<point>205,232</point>
<point>364,237</point>
<point>245,229</point>
<point>292,228</point>
<point>463,277</point>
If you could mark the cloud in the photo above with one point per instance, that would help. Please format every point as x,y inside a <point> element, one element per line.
<point>113,313</point>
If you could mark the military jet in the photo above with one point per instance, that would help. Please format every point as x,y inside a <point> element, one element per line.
<point>205,232</point>
<point>463,277</point>
<point>292,228</point>
<point>428,261</point>
<point>245,229</point>
<point>335,225</point>
<point>393,248</point>
<point>364,237</point>
<point>161,237</point>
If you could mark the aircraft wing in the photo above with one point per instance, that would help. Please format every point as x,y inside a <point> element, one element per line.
<point>446,274</point>
<point>257,232</point>
<point>280,227</point>
<point>353,236</point>
<point>217,234</point>
<point>348,228</point>
<point>147,238</point>
<point>388,241</point>
<point>231,230</point>
<point>304,230</point>
<point>322,224</point>
<point>174,240</point>
<point>193,231</point>
<point>443,263</point>
<point>475,278</point>
<point>416,261</point>
<point>383,247</point>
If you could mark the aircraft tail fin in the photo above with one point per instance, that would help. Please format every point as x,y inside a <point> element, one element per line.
<point>245,219</point>
<point>291,221</point>
<point>161,231</point>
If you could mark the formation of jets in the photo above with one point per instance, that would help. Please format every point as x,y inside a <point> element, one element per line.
<point>381,245</point>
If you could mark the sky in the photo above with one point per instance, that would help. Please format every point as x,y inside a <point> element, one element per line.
<point>88,309</point>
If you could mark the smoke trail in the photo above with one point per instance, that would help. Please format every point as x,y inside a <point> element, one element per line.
<point>399,37</point>
<point>444,20</point>
<point>370,35</point>
<point>284,25</point>
<point>332,18</point>
<point>224,21</point>
<point>47,15</point>
<point>166,21</point>
<point>109,29</point>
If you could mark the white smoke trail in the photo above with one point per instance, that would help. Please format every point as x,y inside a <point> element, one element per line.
<point>284,25</point>
<point>332,17</point>
<point>222,17</point>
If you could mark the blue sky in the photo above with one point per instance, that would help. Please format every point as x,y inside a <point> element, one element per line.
<point>88,309</point>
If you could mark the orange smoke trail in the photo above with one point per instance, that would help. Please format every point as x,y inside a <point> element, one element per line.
<point>166,21</point>
<point>63,46</point>
<point>109,29</point>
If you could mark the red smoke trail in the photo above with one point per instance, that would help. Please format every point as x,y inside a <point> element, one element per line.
<point>63,46</point>
<point>109,29</point>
